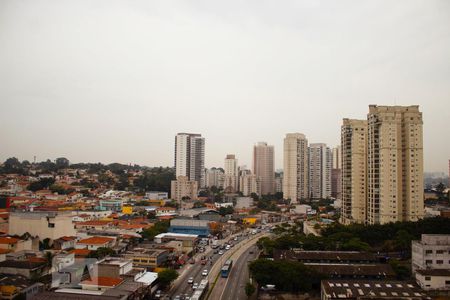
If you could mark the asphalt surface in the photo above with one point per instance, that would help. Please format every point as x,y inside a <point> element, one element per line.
<point>235,285</point>
<point>181,286</point>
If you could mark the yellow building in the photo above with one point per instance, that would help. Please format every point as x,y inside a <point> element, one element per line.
<point>249,220</point>
<point>127,210</point>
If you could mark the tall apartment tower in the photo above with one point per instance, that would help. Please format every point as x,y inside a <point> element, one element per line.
<point>190,157</point>
<point>354,171</point>
<point>395,164</point>
<point>295,172</point>
<point>319,171</point>
<point>231,173</point>
<point>263,167</point>
<point>336,173</point>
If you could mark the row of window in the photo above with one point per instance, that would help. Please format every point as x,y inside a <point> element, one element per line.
<point>437,251</point>
<point>438,262</point>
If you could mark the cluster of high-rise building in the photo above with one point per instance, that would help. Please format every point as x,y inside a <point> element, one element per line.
<point>309,168</point>
<point>377,171</point>
<point>382,166</point>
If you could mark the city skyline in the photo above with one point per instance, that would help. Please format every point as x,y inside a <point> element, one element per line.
<point>126,88</point>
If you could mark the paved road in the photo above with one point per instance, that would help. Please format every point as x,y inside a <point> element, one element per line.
<point>235,285</point>
<point>221,284</point>
<point>181,287</point>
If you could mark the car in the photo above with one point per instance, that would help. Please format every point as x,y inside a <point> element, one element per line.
<point>227,247</point>
<point>216,251</point>
<point>191,280</point>
<point>235,238</point>
<point>177,297</point>
<point>220,252</point>
<point>158,294</point>
<point>205,273</point>
<point>195,286</point>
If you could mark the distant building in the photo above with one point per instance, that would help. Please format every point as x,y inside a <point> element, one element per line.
<point>319,171</point>
<point>157,195</point>
<point>336,173</point>
<point>214,177</point>
<point>183,187</point>
<point>249,184</point>
<point>231,180</point>
<point>51,225</point>
<point>295,172</point>
<point>263,166</point>
<point>190,157</point>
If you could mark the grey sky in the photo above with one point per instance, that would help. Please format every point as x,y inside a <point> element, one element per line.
<point>114,81</point>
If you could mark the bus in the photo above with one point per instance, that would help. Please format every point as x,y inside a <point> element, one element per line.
<point>202,290</point>
<point>226,269</point>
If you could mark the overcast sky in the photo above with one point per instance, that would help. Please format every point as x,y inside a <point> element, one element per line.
<point>114,81</point>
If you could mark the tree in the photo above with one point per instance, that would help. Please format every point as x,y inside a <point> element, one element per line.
<point>289,276</point>
<point>166,277</point>
<point>157,228</point>
<point>43,183</point>
<point>62,163</point>
<point>249,289</point>
<point>223,211</point>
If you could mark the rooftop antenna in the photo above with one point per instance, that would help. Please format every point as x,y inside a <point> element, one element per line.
<point>34,159</point>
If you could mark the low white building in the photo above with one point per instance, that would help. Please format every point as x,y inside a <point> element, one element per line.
<point>51,225</point>
<point>157,195</point>
<point>433,280</point>
<point>431,252</point>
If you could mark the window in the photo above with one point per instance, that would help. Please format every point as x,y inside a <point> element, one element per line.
<point>428,251</point>
<point>427,278</point>
<point>428,262</point>
<point>439,261</point>
<point>439,251</point>
<point>51,225</point>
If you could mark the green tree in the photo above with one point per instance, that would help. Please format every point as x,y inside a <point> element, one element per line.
<point>249,289</point>
<point>166,277</point>
<point>157,228</point>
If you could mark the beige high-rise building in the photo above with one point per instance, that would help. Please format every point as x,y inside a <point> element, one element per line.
<point>183,187</point>
<point>395,164</point>
<point>295,172</point>
<point>249,183</point>
<point>263,166</point>
<point>354,171</point>
<point>337,157</point>
<point>319,171</point>
<point>231,179</point>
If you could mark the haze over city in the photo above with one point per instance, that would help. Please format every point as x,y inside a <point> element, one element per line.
<point>114,81</point>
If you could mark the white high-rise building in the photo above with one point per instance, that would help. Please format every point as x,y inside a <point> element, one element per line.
<point>231,183</point>
<point>319,171</point>
<point>190,157</point>
<point>295,172</point>
<point>263,167</point>
<point>337,157</point>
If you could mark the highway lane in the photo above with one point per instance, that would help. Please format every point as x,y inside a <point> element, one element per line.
<point>181,287</point>
<point>239,276</point>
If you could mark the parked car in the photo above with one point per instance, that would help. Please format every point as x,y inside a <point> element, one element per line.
<point>195,286</point>
<point>158,294</point>
<point>220,252</point>
<point>191,280</point>
<point>205,273</point>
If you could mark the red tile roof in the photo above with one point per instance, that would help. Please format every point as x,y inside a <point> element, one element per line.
<point>96,240</point>
<point>103,281</point>
<point>8,240</point>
